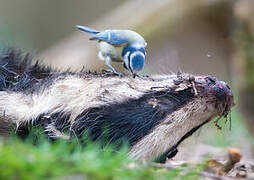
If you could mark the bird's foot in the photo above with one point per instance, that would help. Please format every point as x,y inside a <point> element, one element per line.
<point>141,76</point>
<point>113,72</point>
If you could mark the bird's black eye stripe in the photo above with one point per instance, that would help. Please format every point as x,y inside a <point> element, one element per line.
<point>126,50</point>
<point>129,60</point>
<point>143,51</point>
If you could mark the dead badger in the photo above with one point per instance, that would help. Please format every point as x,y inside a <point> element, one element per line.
<point>153,114</point>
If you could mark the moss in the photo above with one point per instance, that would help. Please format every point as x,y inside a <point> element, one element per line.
<point>45,160</point>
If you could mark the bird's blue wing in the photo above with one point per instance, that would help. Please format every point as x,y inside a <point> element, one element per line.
<point>111,37</point>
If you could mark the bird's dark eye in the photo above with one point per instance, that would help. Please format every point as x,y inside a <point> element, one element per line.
<point>212,79</point>
<point>143,51</point>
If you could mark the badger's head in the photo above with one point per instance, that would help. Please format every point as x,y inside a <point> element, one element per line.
<point>186,105</point>
<point>216,94</point>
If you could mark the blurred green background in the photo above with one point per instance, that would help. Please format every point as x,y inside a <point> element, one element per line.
<point>199,36</point>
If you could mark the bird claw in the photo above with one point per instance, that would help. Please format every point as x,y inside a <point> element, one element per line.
<point>119,74</point>
<point>113,72</point>
<point>141,76</point>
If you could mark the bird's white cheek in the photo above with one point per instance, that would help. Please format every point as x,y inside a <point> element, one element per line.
<point>126,59</point>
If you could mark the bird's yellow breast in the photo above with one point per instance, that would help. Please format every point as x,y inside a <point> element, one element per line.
<point>115,52</point>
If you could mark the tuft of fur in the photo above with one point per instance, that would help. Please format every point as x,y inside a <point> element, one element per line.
<point>154,115</point>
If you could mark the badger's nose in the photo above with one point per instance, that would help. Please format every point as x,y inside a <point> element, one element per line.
<point>222,92</point>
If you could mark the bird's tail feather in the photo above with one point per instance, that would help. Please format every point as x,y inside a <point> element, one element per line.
<point>87,29</point>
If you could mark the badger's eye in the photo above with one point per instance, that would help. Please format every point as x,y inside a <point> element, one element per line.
<point>212,79</point>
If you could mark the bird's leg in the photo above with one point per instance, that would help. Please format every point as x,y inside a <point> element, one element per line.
<point>107,62</point>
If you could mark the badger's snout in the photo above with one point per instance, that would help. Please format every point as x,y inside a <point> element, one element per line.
<point>222,92</point>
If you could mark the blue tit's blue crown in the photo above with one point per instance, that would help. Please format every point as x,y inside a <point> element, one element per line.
<point>133,48</point>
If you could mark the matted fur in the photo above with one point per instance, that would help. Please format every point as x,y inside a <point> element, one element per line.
<point>153,114</point>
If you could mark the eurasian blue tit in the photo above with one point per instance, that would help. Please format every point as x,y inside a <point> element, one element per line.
<point>120,46</point>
